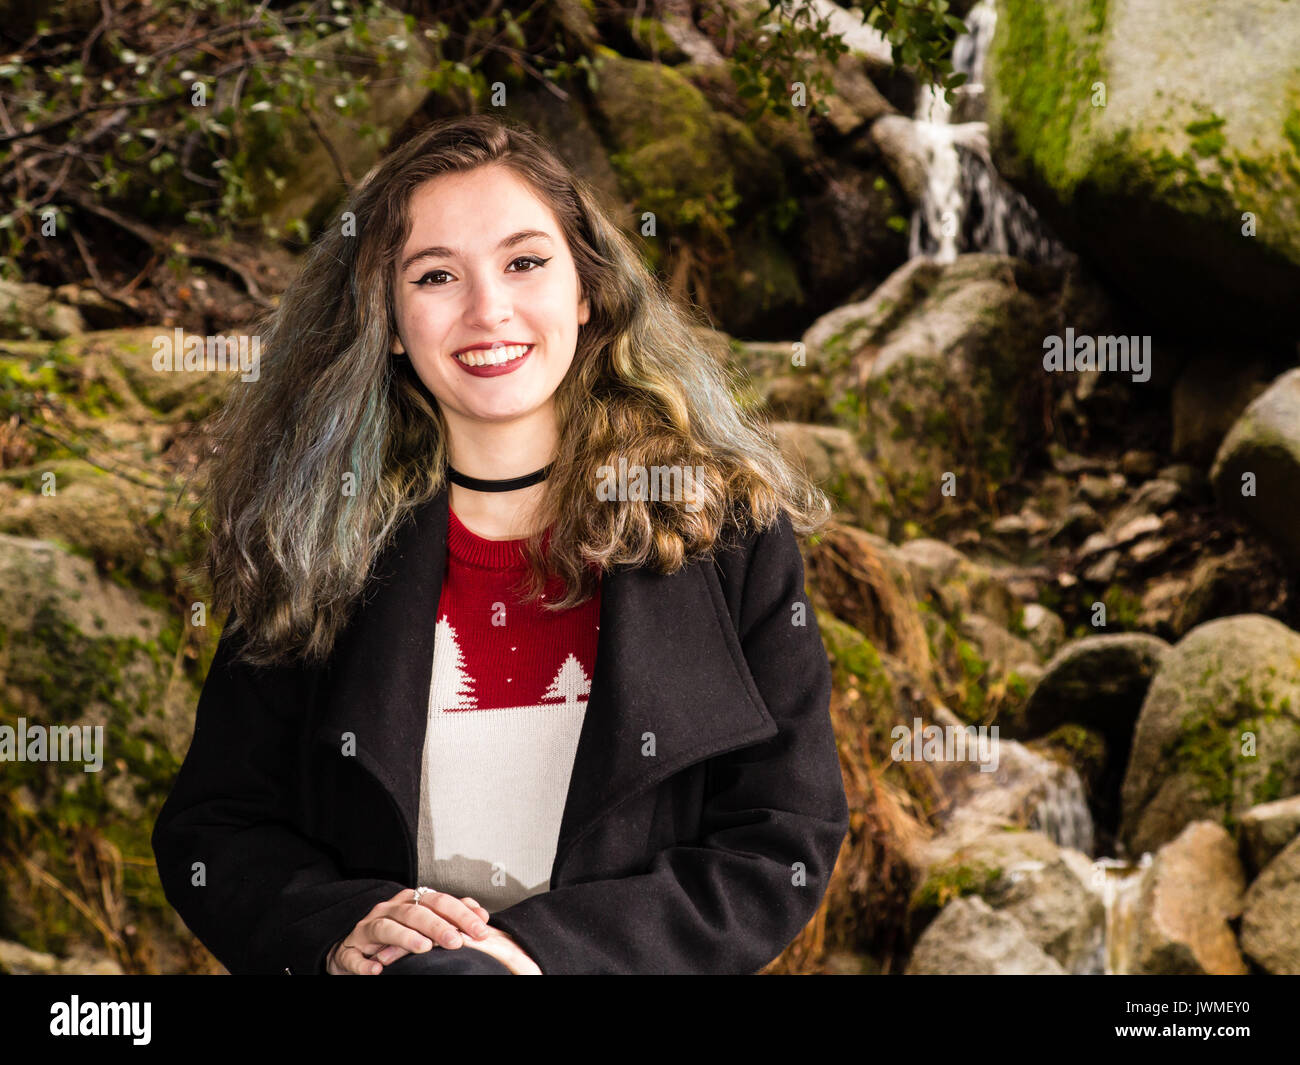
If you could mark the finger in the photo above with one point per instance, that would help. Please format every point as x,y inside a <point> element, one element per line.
<point>438,929</point>
<point>353,961</point>
<point>459,914</point>
<point>499,949</point>
<point>390,954</point>
<point>389,930</point>
<point>475,906</point>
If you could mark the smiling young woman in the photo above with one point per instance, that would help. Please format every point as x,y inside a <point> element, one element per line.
<point>592,732</point>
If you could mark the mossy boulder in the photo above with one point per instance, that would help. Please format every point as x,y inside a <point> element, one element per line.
<point>1163,138</point>
<point>1218,733</point>
<point>940,365</point>
<point>707,179</point>
<point>1027,876</point>
<point>78,650</point>
<point>94,467</point>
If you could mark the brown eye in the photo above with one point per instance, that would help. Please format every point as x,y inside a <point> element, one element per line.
<point>530,259</point>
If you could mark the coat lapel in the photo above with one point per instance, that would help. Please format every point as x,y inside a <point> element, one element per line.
<point>670,687</point>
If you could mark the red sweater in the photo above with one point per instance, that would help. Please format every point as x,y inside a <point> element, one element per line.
<point>509,692</point>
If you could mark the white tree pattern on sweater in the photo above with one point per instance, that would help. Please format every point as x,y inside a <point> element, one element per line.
<point>494,780</point>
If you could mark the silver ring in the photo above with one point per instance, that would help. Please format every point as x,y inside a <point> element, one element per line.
<point>420,892</point>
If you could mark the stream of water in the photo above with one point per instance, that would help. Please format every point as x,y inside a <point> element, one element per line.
<point>967,206</point>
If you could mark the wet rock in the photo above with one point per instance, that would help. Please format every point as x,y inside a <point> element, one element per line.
<point>957,584</point>
<point>1145,550</point>
<point>28,311</point>
<point>1024,789</point>
<point>1101,490</point>
<point>1103,570</point>
<point>18,960</point>
<point>1004,652</point>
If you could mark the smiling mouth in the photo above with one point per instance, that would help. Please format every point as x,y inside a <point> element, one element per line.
<point>493,356</point>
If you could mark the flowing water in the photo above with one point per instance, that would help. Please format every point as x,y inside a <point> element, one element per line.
<point>967,206</point>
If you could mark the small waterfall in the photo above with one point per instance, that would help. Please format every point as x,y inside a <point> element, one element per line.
<point>1062,813</point>
<point>1119,889</point>
<point>967,206</point>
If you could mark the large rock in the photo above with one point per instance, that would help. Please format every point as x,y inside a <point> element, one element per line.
<point>1200,127</point>
<point>1187,896</point>
<point>1265,443</point>
<point>1270,925</point>
<point>80,651</point>
<point>692,165</point>
<point>940,363</point>
<point>1026,875</point>
<point>30,310</point>
<point>970,938</point>
<point>1099,681</point>
<point>832,459</point>
<point>1219,731</point>
<point>1017,789</point>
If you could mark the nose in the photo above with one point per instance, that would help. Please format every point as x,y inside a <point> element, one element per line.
<point>488,303</point>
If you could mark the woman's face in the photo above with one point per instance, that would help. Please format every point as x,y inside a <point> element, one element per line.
<point>487,264</point>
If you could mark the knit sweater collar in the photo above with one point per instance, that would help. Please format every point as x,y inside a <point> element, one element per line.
<point>471,549</point>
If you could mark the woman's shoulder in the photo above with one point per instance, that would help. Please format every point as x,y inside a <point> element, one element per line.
<point>750,549</point>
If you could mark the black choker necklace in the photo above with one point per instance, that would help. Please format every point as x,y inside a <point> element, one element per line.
<point>507,485</point>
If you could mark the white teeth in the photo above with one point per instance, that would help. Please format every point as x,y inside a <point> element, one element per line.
<point>494,356</point>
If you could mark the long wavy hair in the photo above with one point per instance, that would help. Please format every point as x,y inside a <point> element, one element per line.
<point>289,551</point>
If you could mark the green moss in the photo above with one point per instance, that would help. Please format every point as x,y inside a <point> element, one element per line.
<point>1045,70</point>
<point>855,661</point>
<point>1208,745</point>
<point>674,155</point>
<point>1208,139</point>
<point>1291,129</point>
<point>72,676</point>
<point>1123,609</point>
<point>948,882</point>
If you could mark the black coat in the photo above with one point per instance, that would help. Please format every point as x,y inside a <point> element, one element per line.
<point>708,857</point>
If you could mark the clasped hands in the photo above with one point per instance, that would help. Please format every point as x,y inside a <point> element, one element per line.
<point>400,926</point>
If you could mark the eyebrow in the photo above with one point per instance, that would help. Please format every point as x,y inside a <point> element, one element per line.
<point>441,252</point>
